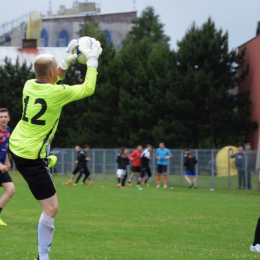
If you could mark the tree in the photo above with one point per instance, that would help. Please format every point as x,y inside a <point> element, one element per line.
<point>207,74</point>
<point>143,66</point>
<point>12,78</point>
<point>93,117</point>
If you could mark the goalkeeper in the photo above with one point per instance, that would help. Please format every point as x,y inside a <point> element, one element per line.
<point>43,101</point>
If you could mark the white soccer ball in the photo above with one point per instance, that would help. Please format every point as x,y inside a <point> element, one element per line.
<point>87,43</point>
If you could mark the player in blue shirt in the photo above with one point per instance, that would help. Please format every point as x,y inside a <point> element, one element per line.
<point>162,155</point>
<point>5,179</point>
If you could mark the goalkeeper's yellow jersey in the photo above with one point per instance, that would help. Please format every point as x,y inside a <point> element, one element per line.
<point>42,105</point>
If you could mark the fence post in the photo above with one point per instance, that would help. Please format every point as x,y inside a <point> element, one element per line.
<point>246,172</point>
<point>62,162</point>
<point>116,164</point>
<point>93,163</point>
<point>229,181</point>
<point>72,160</point>
<point>104,164</point>
<point>154,169</point>
<point>181,168</point>
<point>197,166</point>
<point>212,169</point>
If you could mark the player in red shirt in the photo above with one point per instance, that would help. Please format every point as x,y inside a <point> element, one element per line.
<point>136,163</point>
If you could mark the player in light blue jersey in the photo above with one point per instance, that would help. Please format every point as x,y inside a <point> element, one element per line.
<point>162,155</point>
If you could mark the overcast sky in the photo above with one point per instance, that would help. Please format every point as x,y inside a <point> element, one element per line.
<point>238,17</point>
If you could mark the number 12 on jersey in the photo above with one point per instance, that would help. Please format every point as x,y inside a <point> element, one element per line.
<point>35,119</point>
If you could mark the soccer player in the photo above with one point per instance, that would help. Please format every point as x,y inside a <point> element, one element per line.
<point>162,155</point>
<point>76,170</point>
<point>123,161</point>
<point>82,163</point>
<point>43,101</point>
<point>5,179</point>
<point>136,163</point>
<point>189,162</point>
<point>145,168</point>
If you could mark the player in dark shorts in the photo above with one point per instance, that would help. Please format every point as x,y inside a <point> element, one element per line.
<point>162,155</point>
<point>122,162</point>
<point>5,179</point>
<point>134,157</point>
<point>83,168</point>
<point>43,100</point>
<point>77,169</point>
<point>145,168</point>
<point>190,162</point>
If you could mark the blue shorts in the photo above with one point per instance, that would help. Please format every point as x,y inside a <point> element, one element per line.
<point>190,173</point>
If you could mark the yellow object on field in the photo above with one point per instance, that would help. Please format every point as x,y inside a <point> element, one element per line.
<point>224,162</point>
<point>34,26</point>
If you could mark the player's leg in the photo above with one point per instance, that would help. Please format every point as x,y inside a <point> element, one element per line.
<point>131,176</point>
<point>75,171</point>
<point>165,176</point>
<point>195,179</point>
<point>239,179</point>
<point>87,176</point>
<point>187,178</point>
<point>119,177</point>
<point>149,175</point>
<point>81,172</point>
<point>141,176</point>
<point>124,179</point>
<point>255,247</point>
<point>39,179</point>
<point>46,225</point>
<point>243,179</point>
<point>159,172</point>
<point>9,192</point>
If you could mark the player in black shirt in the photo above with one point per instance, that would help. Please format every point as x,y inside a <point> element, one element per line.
<point>82,163</point>
<point>189,162</point>
<point>76,170</point>
<point>122,160</point>
<point>145,168</point>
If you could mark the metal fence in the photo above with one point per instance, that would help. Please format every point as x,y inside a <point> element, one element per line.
<point>103,167</point>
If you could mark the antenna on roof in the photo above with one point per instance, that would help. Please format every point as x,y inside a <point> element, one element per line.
<point>134,4</point>
<point>50,5</point>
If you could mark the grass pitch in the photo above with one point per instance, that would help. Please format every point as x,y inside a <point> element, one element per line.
<point>118,224</point>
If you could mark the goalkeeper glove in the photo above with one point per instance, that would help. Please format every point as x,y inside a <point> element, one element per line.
<point>70,55</point>
<point>92,50</point>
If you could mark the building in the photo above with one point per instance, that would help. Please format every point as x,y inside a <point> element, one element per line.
<point>56,30</point>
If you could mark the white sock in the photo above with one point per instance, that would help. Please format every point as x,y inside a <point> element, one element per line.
<point>45,234</point>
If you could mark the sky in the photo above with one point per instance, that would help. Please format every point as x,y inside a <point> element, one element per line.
<point>238,17</point>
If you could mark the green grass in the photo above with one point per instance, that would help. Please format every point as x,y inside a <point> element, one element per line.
<point>119,224</point>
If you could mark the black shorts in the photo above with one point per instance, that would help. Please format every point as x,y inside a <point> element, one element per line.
<point>5,177</point>
<point>161,168</point>
<point>136,169</point>
<point>76,170</point>
<point>37,175</point>
<point>144,170</point>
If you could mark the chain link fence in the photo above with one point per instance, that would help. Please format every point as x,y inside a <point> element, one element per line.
<point>212,170</point>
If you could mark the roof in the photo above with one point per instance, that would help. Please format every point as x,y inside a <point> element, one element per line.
<point>242,45</point>
<point>28,55</point>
